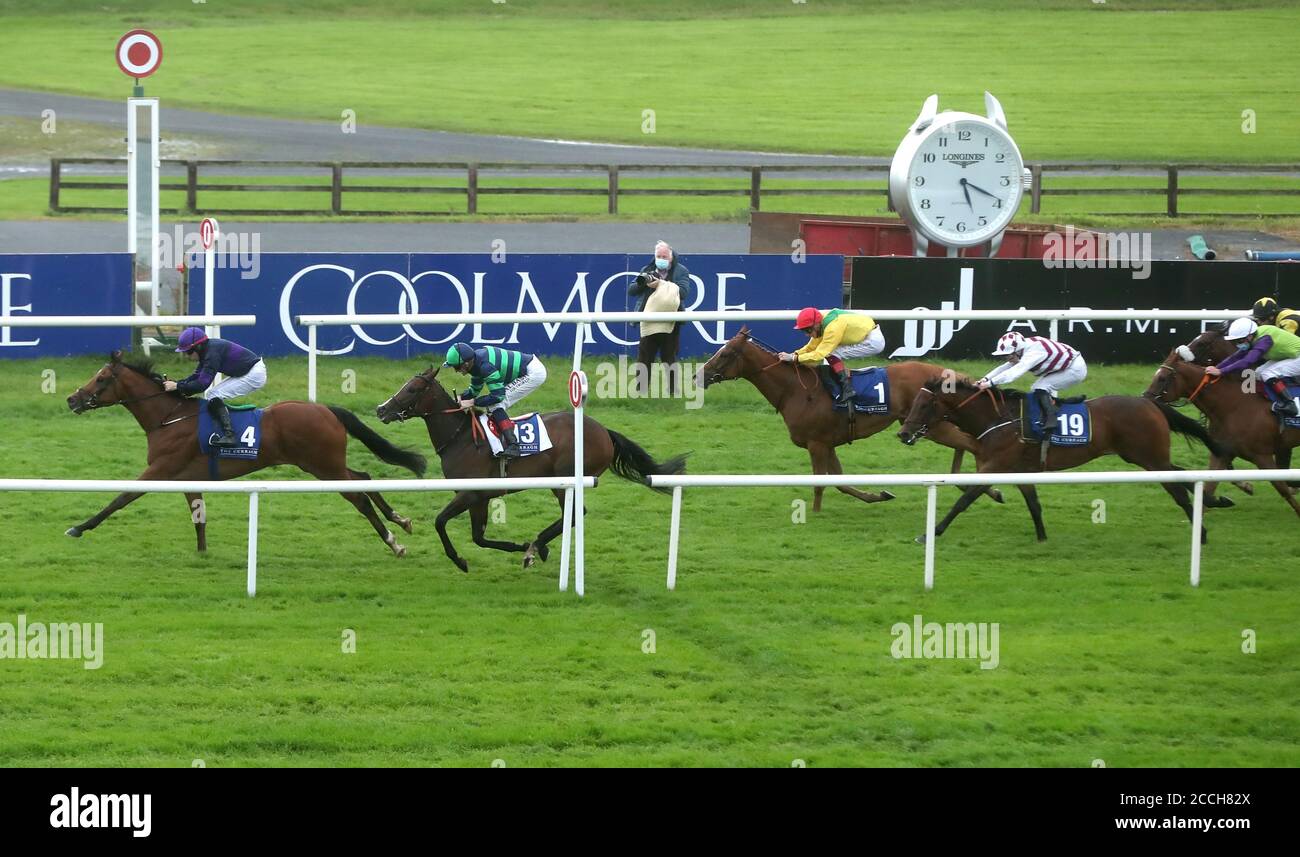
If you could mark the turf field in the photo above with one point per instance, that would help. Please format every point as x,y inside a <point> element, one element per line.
<point>774,648</point>
<point>1126,80</point>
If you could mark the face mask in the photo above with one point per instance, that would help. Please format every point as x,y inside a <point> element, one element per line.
<point>662,264</point>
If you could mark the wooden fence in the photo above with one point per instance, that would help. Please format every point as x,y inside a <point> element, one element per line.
<point>613,190</point>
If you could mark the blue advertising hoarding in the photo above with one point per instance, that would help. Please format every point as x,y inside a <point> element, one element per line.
<point>34,284</point>
<point>278,287</point>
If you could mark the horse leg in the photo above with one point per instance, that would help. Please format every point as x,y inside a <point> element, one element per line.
<point>116,503</point>
<point>458,504</point>
<point>1030,493</point>
<point>358,499</point>
<point>382,504</point>
<point>1212,500</point>
<point>199,515</point>
<point>949,435</point>
<point>963,502</point>
<point>813,453</point>
<point>1267,462</point>
<point>478,518</point>
<point>537,548</point>
<point>830,464</point>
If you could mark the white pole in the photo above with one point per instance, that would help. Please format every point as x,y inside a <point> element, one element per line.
<point>311,362</point>
<point>1054,330</point>
<point>565,539</point>
<point>674,529</point>
<point>931,503</point>
<point>209,277</point>
<point>1198,507</point>
<point>579,459</point>
<point>252,544</point>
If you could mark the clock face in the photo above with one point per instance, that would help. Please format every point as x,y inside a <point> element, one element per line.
<point>964,182</point>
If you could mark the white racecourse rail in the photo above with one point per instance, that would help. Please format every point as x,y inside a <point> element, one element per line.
<point>934,480</point>
<point>582,319</point>
<point>255,488</point>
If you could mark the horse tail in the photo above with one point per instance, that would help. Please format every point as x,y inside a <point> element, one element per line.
<point>635,464</point>
<point>375,442</point>
<point>1189,428</point>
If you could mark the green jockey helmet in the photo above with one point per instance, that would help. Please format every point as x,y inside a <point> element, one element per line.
<point>459,353</point>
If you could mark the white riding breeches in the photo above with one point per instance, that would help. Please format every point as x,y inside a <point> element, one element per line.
<point>1063,379</point>
<point>1289,368</point>
<point>233,388</point>
<point>522,386</point>
<point>869,347</point>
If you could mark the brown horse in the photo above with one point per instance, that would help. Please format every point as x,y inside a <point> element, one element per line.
<point>463,456</point>
<point>1208,349</point>
<point>798,396</point>
<point>1134,428</point>
<point>1242,423</point>
<point>309,436</point>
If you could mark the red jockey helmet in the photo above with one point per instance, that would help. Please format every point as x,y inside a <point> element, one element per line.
<point>808,317</point>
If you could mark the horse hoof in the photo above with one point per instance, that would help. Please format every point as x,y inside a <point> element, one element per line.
<point>996,496</point>
<point>462,565</point>
<point>399,551</point>
<point>405,523</point>
<point>920,540</point>
<point>543,552</point>
<point>887,495</point>
<point>72,531</point>
<point>529,561</point>
<point>1220,503</point>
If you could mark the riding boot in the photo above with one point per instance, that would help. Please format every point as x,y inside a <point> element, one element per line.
<point>1285,405</point>
<point>1048,406</point>
<point>217,409</point>
<point>846,387</point>
<point>509,443</point>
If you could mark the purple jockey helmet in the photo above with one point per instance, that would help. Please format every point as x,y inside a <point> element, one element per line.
<point>191,338</point>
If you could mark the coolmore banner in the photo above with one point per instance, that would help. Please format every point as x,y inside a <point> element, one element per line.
<point>63,284</point>
<point>899,282</point>
<point>287,285</point>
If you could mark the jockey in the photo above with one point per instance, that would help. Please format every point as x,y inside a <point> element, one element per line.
<point>1266,311</point>
<point>833,336</point>
<point>1057,365</point>
<point>1279,351</point>
<point>508,375</point>
<point>245,372</point>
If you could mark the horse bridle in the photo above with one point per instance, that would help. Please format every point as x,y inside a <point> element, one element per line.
<point>406,414</point>
<point>999,402</point>
<point>92,401</point>
<point>717,378</point>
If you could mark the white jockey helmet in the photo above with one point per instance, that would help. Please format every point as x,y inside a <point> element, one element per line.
<point>1241,328</point>
<point>1009,343</point>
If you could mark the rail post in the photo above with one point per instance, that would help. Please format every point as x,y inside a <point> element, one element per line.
<point>252,543</point>
<point>931,504</point>
<point>674,530</point>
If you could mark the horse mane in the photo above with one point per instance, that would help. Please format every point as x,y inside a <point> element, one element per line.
<point>143,366</point>
<point>966,385</point>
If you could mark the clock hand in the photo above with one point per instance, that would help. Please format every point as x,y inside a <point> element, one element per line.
<point>966,190</point>
<point>980,190</point>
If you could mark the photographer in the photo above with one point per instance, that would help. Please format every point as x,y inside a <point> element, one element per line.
<point>662,286</point>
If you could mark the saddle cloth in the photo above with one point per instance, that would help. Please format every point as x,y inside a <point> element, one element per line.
<point>1073,422</point>
<point>1293,388</point>
<point>529,428</point>
<point>247,423</point>
<point>870,390</point>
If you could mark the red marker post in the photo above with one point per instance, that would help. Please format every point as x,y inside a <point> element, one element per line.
<point>209,232</point>
<point>139,54</point>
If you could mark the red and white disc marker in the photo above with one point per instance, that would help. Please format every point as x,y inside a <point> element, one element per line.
<point>577,389</point>
<point>139,53</point>
<point>207,232</point>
